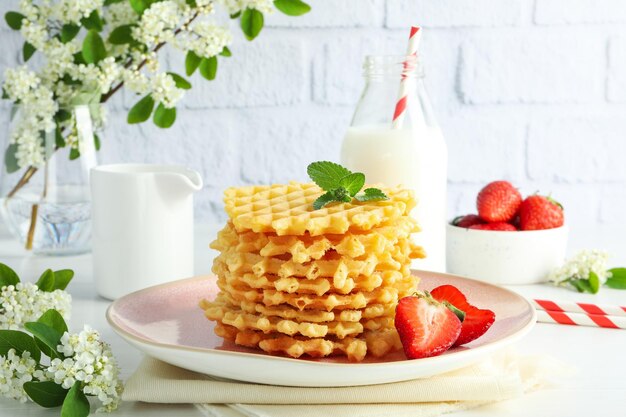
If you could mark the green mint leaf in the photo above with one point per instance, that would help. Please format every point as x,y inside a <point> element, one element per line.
<point>341,194</point>
<point>594,282</point>
<point>93,22</point>
<point>372,194</point>
<point>617,280</point>
<point>180,81</point>
<point>46,281</point>
<point>323,200</point>
<point>292,7</point>
<point>327,175</point>
<point>93,48</point>
<point>62,277</point>
<point>141,111</point>
<point>164,117</point>
<point>14,20</point>
<point>46,337</point>
<point>226,52</point>
<point>191,62</point>
<point>20,341</point>
<point>47,394</point>
<point>121,35</point>
<point>69,32</point>
<point>7,276</point>
<point>75,403</point>
<point>353,182</point>
<point>208,68</point>
<point>53,319</point>
<point>11,165</point>
<point>27,51</point>
<point>251,23</point>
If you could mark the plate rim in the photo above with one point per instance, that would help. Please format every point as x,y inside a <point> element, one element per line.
<point>462,353</point>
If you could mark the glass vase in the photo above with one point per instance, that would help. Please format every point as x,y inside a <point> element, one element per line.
<point>44,184</point>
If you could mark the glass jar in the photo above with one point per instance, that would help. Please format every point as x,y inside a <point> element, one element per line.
<point>45,179</point>
<point>413,154</point>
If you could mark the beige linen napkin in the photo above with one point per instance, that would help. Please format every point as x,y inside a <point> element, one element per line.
<point>505,375</point>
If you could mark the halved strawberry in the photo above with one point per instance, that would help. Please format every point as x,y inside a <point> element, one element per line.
<point>467,220</point>
<point>426,327</point>
<point>477,321</point>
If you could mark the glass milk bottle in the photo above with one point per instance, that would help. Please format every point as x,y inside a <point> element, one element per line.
<point>412,154</point>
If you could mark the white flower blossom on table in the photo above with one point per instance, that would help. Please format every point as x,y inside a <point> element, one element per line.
<point>15,370</point>
<point>581,266</point>
<point>90,361</point>
<point>24,302</point>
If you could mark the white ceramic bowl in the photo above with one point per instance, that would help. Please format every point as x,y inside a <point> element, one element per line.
<point>523,257</point>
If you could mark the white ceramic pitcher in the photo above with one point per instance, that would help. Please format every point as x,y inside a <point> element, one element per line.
<point>142,219</point>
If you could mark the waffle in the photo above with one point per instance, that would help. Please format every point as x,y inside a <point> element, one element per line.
<point>288,210</point>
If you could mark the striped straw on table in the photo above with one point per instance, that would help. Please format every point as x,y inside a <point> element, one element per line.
<point>584,308</point>
<point>581,319</point>
<point>406,83</point>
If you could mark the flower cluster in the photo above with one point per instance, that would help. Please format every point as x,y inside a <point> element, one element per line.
<point>236,6</point>
<point>24,302</point>
<point>15,370</point>
<point>581,266</point>
<point>90,361</point>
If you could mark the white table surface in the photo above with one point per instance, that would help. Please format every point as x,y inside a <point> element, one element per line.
<point>599,388</point>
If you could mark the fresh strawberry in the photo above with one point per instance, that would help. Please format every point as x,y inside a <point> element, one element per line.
<point>426,327</point>
<point>467,220</point>
<point>498,201</point>
<point>476,322</point>
<point>499,227</point>
<point>538,213</point>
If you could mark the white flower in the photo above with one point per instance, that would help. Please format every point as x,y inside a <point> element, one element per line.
<point>164,90</point>
<point>24,302</point>
<point>118,14</point>
<point>34,33</point>
<point>159,21</point>
<point>19,82</point>
<point>580,267</point>
<point>136,81</point>
<point>235,6</point>
<point>72,11</point>
<point>205,39</point>
<point>15,370</point>
<point>91,362</point>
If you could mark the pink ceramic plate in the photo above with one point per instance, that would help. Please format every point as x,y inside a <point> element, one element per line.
<point>165,322</point>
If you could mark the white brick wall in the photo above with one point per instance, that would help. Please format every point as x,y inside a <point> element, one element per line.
<point>533,91</point>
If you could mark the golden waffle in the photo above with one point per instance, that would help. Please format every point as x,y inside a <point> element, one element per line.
<point>306,248</point>
<point>288,210</point>
<point>377,343</point>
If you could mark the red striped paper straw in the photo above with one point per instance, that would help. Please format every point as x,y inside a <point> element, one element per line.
<point>581,319</point>
<point>583,308</point>
<point>406,84</point>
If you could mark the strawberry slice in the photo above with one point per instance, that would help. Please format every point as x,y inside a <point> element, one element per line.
<point>477,321</point>
<point>426,327</point>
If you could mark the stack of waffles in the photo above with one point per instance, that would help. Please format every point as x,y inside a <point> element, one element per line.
<point>302,282</point>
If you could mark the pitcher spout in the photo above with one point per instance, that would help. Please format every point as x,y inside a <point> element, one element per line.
<point>181,182</point>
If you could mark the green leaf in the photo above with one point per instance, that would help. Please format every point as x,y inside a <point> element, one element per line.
<point>121,35</point>
<point>47,394</point>
<point>20,341</point>
<point>140,6</point>
<point>110,2</point>
<point>191,3</point>
<point>7,276</point>
<point>226,52</point>
<point>251,23</point>
<point>323,200</point>
<point>14,20</point>
<point>62,278</point>
<point>594,282</point>
<point>581,285</point>
<point>141,111</point>
<point>69,32</point>
<point>53,319</point>
<point>618,279</point>
<point>164,117</point>
<point>27,51</point>
<point>292,7</point>
<point>235,15</point>
<point>93,22</point>
<point>180,81</point>
<point>372,194</point>
<point>341,194</point>
<point>208,68</point>
<point>46,281</point>
<point>327,175</point>
<point>79,59</point>
<point>74,154</point>
<point>76,403</point>
<point>98,144</point>
<point>191,62</point>
<point>93,48</point>
<point>62,115</point>
<point>46,337</point>
<point>59,141</point>
<point>11,164</point>
<point>353,182</point>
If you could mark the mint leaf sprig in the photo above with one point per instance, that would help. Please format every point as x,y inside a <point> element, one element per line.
<point>341,184</point>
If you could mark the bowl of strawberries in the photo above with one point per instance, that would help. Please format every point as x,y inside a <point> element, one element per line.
<point>511,240</point>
